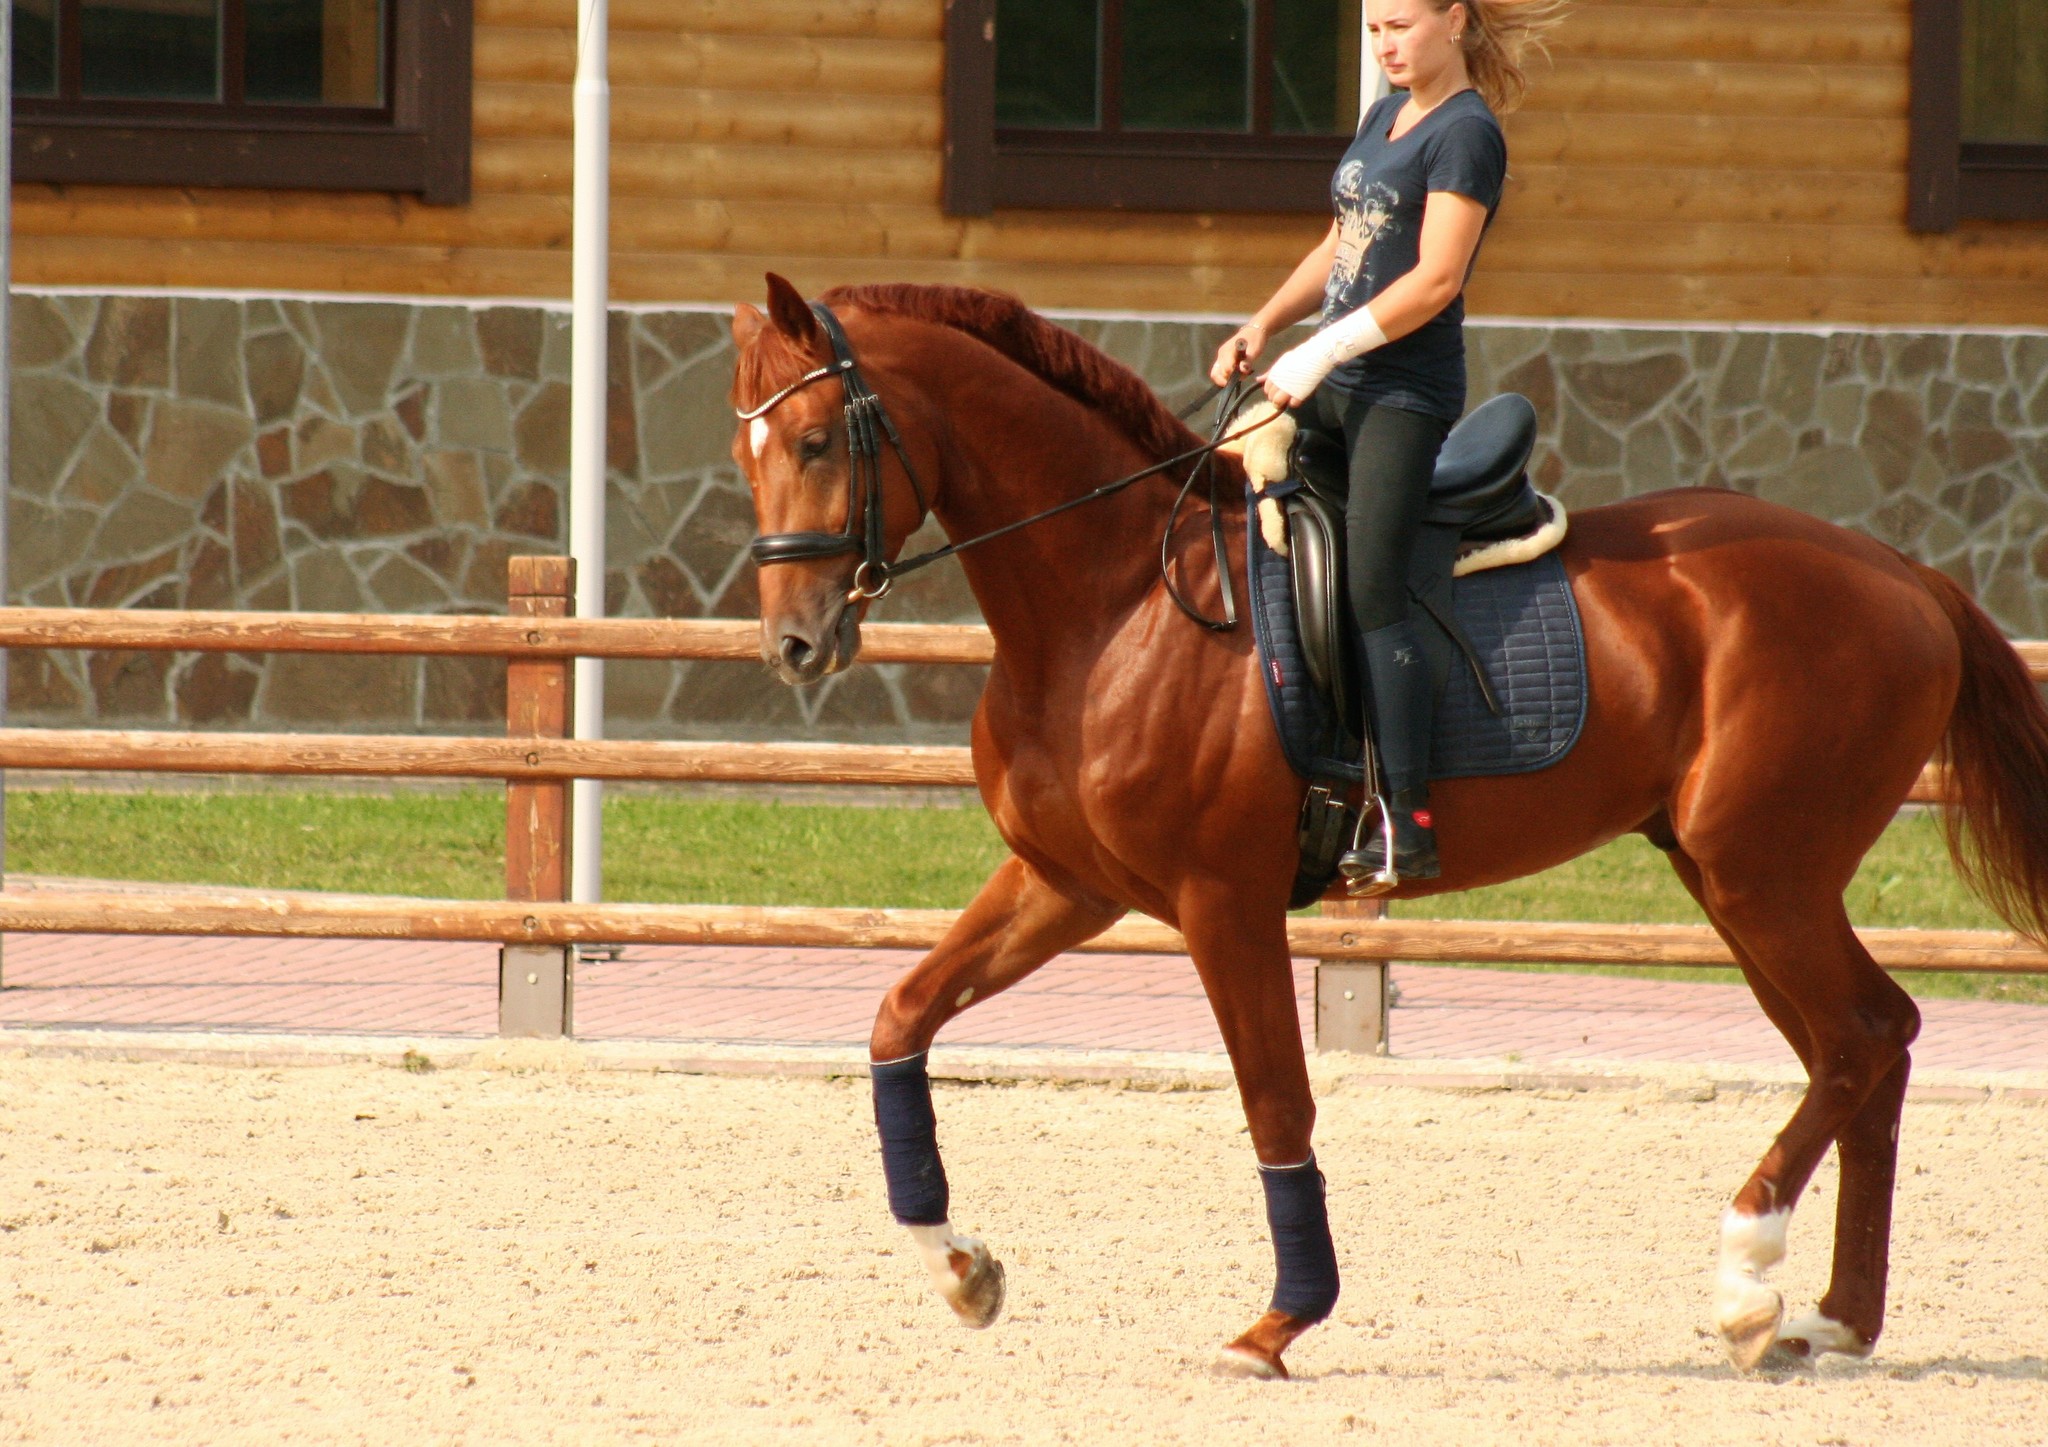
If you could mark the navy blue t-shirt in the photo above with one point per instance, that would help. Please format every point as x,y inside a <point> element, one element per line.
<point>1378,193</point>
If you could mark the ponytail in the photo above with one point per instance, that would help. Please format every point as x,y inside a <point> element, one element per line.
<point>1498,35</point>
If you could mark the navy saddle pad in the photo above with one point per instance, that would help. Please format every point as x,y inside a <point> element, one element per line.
<point>1524,624</point>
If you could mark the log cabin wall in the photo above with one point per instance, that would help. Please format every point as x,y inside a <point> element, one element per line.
<point>1703,160</point>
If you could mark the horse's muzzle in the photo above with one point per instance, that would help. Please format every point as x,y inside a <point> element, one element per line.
<point>804,651</point>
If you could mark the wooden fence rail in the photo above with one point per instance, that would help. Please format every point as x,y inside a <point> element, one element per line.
<point>727,639</point>
<point>303,916</point>
<point>539,931</point>
<point>414,756</point>
<point>730,639</point>
<point>408,755</point>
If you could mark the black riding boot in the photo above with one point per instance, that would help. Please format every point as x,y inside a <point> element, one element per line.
<point>1401,705</point>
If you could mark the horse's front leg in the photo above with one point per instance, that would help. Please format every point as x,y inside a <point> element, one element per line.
<point>1240,951</point>
<point>1016,923</point>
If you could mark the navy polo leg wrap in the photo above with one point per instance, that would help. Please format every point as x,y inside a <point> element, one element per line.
<point>910,1141</point>
<point>1302,1250</point>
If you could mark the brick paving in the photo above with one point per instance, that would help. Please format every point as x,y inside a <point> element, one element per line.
<point>828,997</point>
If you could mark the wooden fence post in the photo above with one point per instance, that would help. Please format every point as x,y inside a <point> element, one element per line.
<point>536,983</point>
<point>1351,995</point>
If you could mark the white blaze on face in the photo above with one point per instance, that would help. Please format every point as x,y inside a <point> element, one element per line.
<point>757,436</point>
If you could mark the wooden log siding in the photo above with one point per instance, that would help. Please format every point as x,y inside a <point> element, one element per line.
<point>1703,160</point>
<point>254,913</point>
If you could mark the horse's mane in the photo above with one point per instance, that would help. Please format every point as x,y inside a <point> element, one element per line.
<point>1049,352</point>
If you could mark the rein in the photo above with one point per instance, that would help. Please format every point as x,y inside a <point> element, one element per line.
<point>868,423</point>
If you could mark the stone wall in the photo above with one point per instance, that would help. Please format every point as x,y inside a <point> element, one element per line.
<point>211,452</point>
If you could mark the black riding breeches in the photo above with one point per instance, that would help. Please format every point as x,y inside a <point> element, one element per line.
<point>1392,454</point>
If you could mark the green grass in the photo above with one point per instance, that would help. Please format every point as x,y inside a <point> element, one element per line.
<point>452,846</point>
<point>661,848</point>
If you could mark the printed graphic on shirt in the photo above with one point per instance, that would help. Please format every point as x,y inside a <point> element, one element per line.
<point>1364,211</point>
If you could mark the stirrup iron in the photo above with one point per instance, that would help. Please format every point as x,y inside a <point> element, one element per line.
<point>1387,878</point>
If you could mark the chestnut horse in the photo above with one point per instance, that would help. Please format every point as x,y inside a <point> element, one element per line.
<point>1764,688</point>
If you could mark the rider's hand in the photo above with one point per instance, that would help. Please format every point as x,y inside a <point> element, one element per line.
<point>1278,395</point>
<point>1238,352</point>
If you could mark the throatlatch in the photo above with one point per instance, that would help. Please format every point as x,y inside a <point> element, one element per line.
<point>910,1142</point>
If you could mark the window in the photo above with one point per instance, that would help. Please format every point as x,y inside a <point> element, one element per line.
<point>1980,112</point>
<point>1164,105</point>
<point>331,94</point>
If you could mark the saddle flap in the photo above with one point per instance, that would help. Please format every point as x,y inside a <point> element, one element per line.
<point>1315,531</point>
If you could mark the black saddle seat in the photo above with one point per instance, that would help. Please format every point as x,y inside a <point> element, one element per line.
<point>1481,487</point>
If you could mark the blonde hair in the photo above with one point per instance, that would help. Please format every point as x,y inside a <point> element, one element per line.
<point>1498,35</point>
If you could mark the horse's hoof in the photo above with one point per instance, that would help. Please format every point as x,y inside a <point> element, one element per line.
<point>1247,1363</point>
<point>978,1298</point>
<point>1752,1330</point>
<point>1783,1358</point>
<point>1812,1334</point>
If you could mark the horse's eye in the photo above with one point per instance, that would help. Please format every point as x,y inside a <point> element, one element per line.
<point>813,445</point>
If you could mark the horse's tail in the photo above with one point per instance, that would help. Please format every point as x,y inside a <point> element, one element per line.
<point>1996,757</point>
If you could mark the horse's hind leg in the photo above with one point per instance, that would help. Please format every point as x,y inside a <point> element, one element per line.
<point>1016,923</point>
<point>1850,1024</point>
<point>1852,1312</point>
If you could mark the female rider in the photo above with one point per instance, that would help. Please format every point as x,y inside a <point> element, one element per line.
<point>1385,375</point>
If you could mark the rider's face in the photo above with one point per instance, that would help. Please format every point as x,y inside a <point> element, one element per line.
<point>1412,40</point>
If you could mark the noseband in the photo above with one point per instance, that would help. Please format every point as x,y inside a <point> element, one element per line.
<point>867,423</point>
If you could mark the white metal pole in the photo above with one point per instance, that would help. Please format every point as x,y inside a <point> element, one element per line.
<point>590,254</point>
<point>6,360</point>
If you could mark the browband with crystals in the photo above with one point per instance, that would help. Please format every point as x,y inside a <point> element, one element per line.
<point>830,369</point>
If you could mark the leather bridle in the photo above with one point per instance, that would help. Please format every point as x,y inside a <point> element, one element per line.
<point>868,423</point>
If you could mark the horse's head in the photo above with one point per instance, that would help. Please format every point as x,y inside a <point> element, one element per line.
<point>797,459</point>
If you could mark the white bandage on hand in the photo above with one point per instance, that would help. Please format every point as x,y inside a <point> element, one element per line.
<point>1302,369</point>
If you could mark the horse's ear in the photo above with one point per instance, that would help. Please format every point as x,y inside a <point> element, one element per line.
<point>790,313</point>
<point>747,322</point>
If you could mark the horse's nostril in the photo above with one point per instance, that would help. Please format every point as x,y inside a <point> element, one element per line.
<point>796,652</point>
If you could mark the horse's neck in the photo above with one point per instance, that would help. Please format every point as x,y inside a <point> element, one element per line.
<point>1065,582</point>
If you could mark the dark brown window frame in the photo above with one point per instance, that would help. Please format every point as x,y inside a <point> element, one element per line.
<point>987,167</point>
<point>418,143</point>
<point>1954,180</point>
